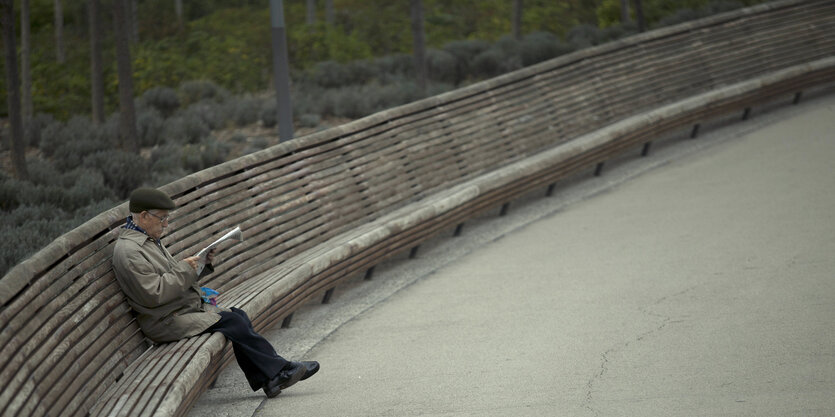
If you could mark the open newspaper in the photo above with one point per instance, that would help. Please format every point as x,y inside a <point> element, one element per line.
<point>234,234</point>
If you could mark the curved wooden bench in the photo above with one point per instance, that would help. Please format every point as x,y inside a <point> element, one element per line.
<point>322,208</point>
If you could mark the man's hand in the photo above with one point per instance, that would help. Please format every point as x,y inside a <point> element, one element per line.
<point>192,261</point>
<point>211,255</point>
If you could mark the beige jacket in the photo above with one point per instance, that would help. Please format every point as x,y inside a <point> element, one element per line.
<point>163,291</point>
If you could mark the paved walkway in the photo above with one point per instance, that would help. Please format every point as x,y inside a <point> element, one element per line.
<point>671,286</point>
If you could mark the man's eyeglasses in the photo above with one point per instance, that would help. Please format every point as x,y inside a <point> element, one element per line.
<point>161,219</point>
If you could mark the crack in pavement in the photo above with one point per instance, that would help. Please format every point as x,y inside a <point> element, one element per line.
<point>604,364</point>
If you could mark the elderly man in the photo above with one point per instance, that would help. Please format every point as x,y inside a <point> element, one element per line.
<point>169,303</point>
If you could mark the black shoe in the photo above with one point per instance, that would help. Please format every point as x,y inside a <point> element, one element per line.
<point>288,376</point>
<point>312,368</point>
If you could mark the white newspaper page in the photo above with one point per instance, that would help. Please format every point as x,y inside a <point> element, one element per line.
<point>234,234</point>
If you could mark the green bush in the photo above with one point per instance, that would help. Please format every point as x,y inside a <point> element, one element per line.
<point>27,229</point>
<point>680,16</point>
<point>584,36</point>
<point>269,112</point>
<point>309,120</point>
<point>465,52</point>
<point>210,152</point>
<point>163,99</point>
<point>395,64</point>
<point>191,92</point>
<point>34,129</point>
<point>42,171</point>
<point>87,187</point>
<point>541,46</point>
<point>122,171</point>
<point>189,127</point>
<point>441,66</point>
<point>243,111</point>
<point>212,113</point>
<point>149,126</point>
<point>490,63</point>
<point>58,134</point>
<point>72,153</point>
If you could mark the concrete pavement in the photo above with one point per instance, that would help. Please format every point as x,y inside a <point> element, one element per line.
<point>698,281</point>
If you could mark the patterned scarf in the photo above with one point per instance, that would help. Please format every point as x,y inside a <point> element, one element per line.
<point>130,225</point>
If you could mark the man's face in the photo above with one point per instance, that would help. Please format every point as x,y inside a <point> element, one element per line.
<point>154,222</point>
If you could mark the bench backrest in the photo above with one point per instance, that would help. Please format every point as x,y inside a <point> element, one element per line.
<point>67,332</point>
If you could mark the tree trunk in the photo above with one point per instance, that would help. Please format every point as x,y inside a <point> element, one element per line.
<point>26,61</point>
<point>96,76</point>
<point>311,12</point>
<point>178,8</point>
<point>416,11</point>
<point>17,146</point>
<point>329,12</point>
<point>624,11</point>
<point>517,19</point>
<point>639,15</point>
<point>127,119</point>
<point>60,54</point>
<point>133,20</point>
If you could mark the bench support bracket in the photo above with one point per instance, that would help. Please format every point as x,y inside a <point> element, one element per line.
<point>695,131</point>
<point>645,150</point>
<point>327,298</point>
<point>550,191</point>
<point>286,322</point>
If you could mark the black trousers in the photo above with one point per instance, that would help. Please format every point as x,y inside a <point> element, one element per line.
<point>255,355</point>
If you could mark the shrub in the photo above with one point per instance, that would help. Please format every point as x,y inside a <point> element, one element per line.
<point>395,64</point>
<point>34,129</point>
<point>72,153</point>
<point>212,113</point>
<point>269,113</point>
<point>10,193</point>
<point>243,111</point>
<point>331,74</point>
<point>85,186</point>
<point>210,152</point>
<point>618,31</point>
<point>56,135</point>
<point>163,99</point>
<point>309,120</point>
<point>584,35</point>
<point>680,16</point>
<point>149,125</point>
<point>441,66</point>
<point>191,92</point>
<point>213,152</point>
<point>122,171</point>
<point>42,171</point>
<point>256,144</point>
<point>237,137</point>
<point>166,158</point>
<point>541,46</point>
<point>489,63</point>
<point>186,128</point>
<point>465,52</point>
<point>27,229</point>
<point>722,6</point>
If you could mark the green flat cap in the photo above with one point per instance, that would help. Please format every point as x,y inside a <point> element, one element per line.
<point>144,199</point>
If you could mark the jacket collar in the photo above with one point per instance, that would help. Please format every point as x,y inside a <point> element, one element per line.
<point>134,236</point>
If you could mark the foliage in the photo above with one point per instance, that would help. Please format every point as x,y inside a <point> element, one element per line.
<point>122,171</point>
<point>660,12</point>
<point>202,76</point>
